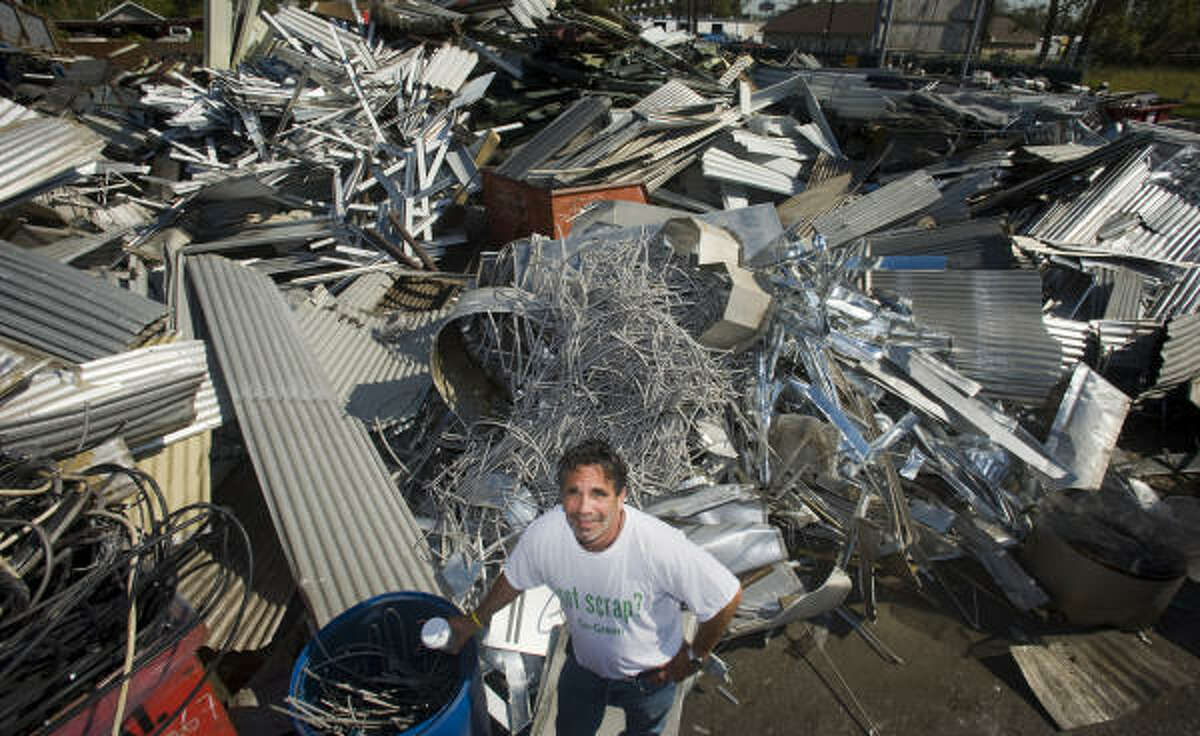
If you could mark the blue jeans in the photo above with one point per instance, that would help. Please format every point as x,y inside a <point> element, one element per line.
<point>582,696</point>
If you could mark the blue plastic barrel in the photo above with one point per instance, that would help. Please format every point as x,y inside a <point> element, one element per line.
<point>401,614</point>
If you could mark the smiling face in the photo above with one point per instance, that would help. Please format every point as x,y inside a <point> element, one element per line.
<point>593,505</point>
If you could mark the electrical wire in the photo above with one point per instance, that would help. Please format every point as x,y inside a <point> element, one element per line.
<point>105,602</point>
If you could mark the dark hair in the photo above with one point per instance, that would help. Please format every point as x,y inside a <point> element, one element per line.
<point>594,451</point>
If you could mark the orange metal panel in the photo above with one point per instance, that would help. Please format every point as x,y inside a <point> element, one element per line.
<point>516,209</point>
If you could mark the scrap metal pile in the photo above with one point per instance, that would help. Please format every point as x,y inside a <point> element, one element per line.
<point>867,323</point>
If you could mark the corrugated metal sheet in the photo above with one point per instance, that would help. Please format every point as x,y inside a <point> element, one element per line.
<point>974,244</point>
<point>1165,226</point>
<point>274,234</point>
<point>319,32</point>
<point>554,136</point>
<point>11,112</point>
<point>366,295</point>
<point>182,470</point>
<point>1124,290</point>
<point>878,209</point>
<point>346,530</point>
<point>66,312</point>
<point>210,413</point>
<point>34,152</point>
<point>138,395</point>
<point>373,380</point>
<point>794,148</point>
<point>604,145</point>
<point>16,366</point>
<point>449,68</point>
<point>722,166</point>
<point>1078,220</point>
<point>764,98</point>
<point>967,105</point>
<point>1182,297</point>
<point>672,95</point>
<point>272,588</point>
<point>995,322</point>
<point>67,250</point>
<point>1128,347</point>
<point>1180,353</point>
<point>1075,338</point>
<point>184,473</point>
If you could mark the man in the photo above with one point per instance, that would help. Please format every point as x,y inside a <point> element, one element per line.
<point>620,576</point>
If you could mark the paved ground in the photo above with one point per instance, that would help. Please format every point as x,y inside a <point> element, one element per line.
<point>955,680</point>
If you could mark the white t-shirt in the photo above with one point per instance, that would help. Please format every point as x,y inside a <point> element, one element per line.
<point>622,603</point>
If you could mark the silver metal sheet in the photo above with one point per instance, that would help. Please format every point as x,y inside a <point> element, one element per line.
<point>995,321</point>
<point>726,167</point>
<point>976,413</point>
<point>1074,336</point>
<point>286,234</point>
<point>138,395</point>
<point>66,312</point>
<point>1164,225</point>
<point>449,68</point>
<point>346,530</point>
<point>375,380</point>
<point>1180,353</point>
<point>554,136</point>
<point>684,505</point>
<point>674,94</point>
<point>11,112</point>
<point>878,209</point>
<point>1086,679</point>
<point>36,151</point>
<point>740,546</point>
<point>1086,428</point>
<point>974,244</point>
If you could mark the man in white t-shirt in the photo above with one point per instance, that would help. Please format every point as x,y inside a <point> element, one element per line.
<point>620,576</point>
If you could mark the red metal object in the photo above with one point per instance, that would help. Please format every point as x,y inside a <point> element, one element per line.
<point>1148,112</point>
<point>516,209</point>
<point>155,692</point>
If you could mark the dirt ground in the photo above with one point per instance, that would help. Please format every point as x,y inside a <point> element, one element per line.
<point>955,679</point>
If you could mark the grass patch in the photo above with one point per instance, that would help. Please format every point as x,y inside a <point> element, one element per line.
<point>1172,83</point>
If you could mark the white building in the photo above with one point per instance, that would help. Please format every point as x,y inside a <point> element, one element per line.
<point>735,29</point>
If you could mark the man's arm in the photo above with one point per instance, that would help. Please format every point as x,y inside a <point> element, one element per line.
<point>707,636</point>
<point>462,628</point>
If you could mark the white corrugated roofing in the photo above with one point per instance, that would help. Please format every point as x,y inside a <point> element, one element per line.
<point>346,530</point>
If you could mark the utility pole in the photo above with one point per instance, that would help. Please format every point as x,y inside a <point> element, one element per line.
<point>883,26</point>
<point>828,26</point>
<point>981,12</point>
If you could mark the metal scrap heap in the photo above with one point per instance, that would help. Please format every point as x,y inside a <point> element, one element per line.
<point>347,302</point>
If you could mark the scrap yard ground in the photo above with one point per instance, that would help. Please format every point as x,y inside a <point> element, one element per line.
<point>955,681</point>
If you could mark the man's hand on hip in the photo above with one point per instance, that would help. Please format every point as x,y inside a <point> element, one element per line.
<point>680,667</point>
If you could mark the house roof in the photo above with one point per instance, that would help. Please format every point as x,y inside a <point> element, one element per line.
<point>848,19</point>
<point>1004,29</point>
<point>130,10</point>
